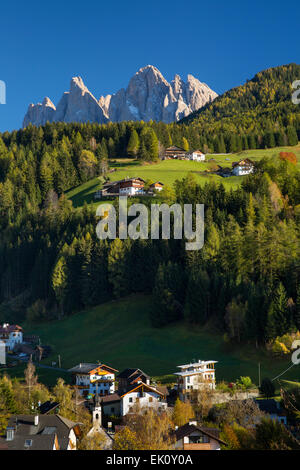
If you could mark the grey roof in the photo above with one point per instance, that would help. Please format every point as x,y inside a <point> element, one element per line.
<point>114,397</point>
<point>87,367</point>
<point>189,428</point>
<point>128,373</point>
<point>42,435</point>
<point>84,368</point>
<point>38,442</point>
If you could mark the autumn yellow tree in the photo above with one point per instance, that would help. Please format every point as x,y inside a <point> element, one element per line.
<point>183,412</point>
<point>151,427</point>
<point>126,439</point>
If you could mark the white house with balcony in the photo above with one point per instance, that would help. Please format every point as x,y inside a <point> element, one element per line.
<point>195,376</point>
<point>91,379</point>
<point>11,335</point>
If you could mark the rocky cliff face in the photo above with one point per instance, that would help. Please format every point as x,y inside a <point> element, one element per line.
<point>40,113</point>
<point>148,97</point>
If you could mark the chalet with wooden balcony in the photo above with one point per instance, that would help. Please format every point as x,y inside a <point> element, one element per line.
<point>125,187</point>
<point>91,379</point>
<point>174,152</point>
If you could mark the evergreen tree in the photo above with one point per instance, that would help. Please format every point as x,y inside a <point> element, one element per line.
<point>133,144</point>
<point>292,136</point>
<point>279,320</point>
<point>59,281</point>
<point>117,268</point>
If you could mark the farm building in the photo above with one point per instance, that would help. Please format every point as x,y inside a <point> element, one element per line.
<point>127,187</point>
<point>196,155</point>
<point>174,152</point>
<point>243,167</point>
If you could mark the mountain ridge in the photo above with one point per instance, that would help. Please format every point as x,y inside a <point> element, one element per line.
<point>148,96</point>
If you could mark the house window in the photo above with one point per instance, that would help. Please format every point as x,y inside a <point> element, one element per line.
<point>202,439</point>
<point>28,443</point>
<point>130,400</point>
<point>150,399</point>
<point>112,409</point>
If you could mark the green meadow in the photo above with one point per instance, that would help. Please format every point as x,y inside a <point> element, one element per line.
<point>119,333</point>
<point>168,171</point>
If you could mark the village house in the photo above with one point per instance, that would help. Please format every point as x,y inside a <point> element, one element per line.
<point>243,167</point>
<point>127,187</point>
<point>195,375</point>
<point>190,436</point>
<point>158,186</point>
<point>91,379</point>
<point>41,432</point>
<point>174,152</point>
<point>11,335</point>
<point>129,377</point>
<point>196,155</point>
<point>138,395</point>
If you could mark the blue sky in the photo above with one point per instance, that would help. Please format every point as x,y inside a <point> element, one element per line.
<point>223,43</point>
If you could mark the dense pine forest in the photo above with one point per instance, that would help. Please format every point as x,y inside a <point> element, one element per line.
<point>245,281</point>
<point>258,114</point>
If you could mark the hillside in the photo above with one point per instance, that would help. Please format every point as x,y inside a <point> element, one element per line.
<point>168,171</point>
<point>119,333</point>
<point>262,104</point>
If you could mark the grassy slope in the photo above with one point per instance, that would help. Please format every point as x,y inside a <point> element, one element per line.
<point>169,170</point>
<point>119,333</point>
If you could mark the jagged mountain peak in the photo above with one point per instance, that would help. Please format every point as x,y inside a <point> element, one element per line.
<point>147,69</point>
<point>149,96</point>
<point>48,102</point>
<point>77,82</point>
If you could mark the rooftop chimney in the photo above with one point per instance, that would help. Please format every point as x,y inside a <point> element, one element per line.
<point>36,420</point>
<point>192,422</point>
